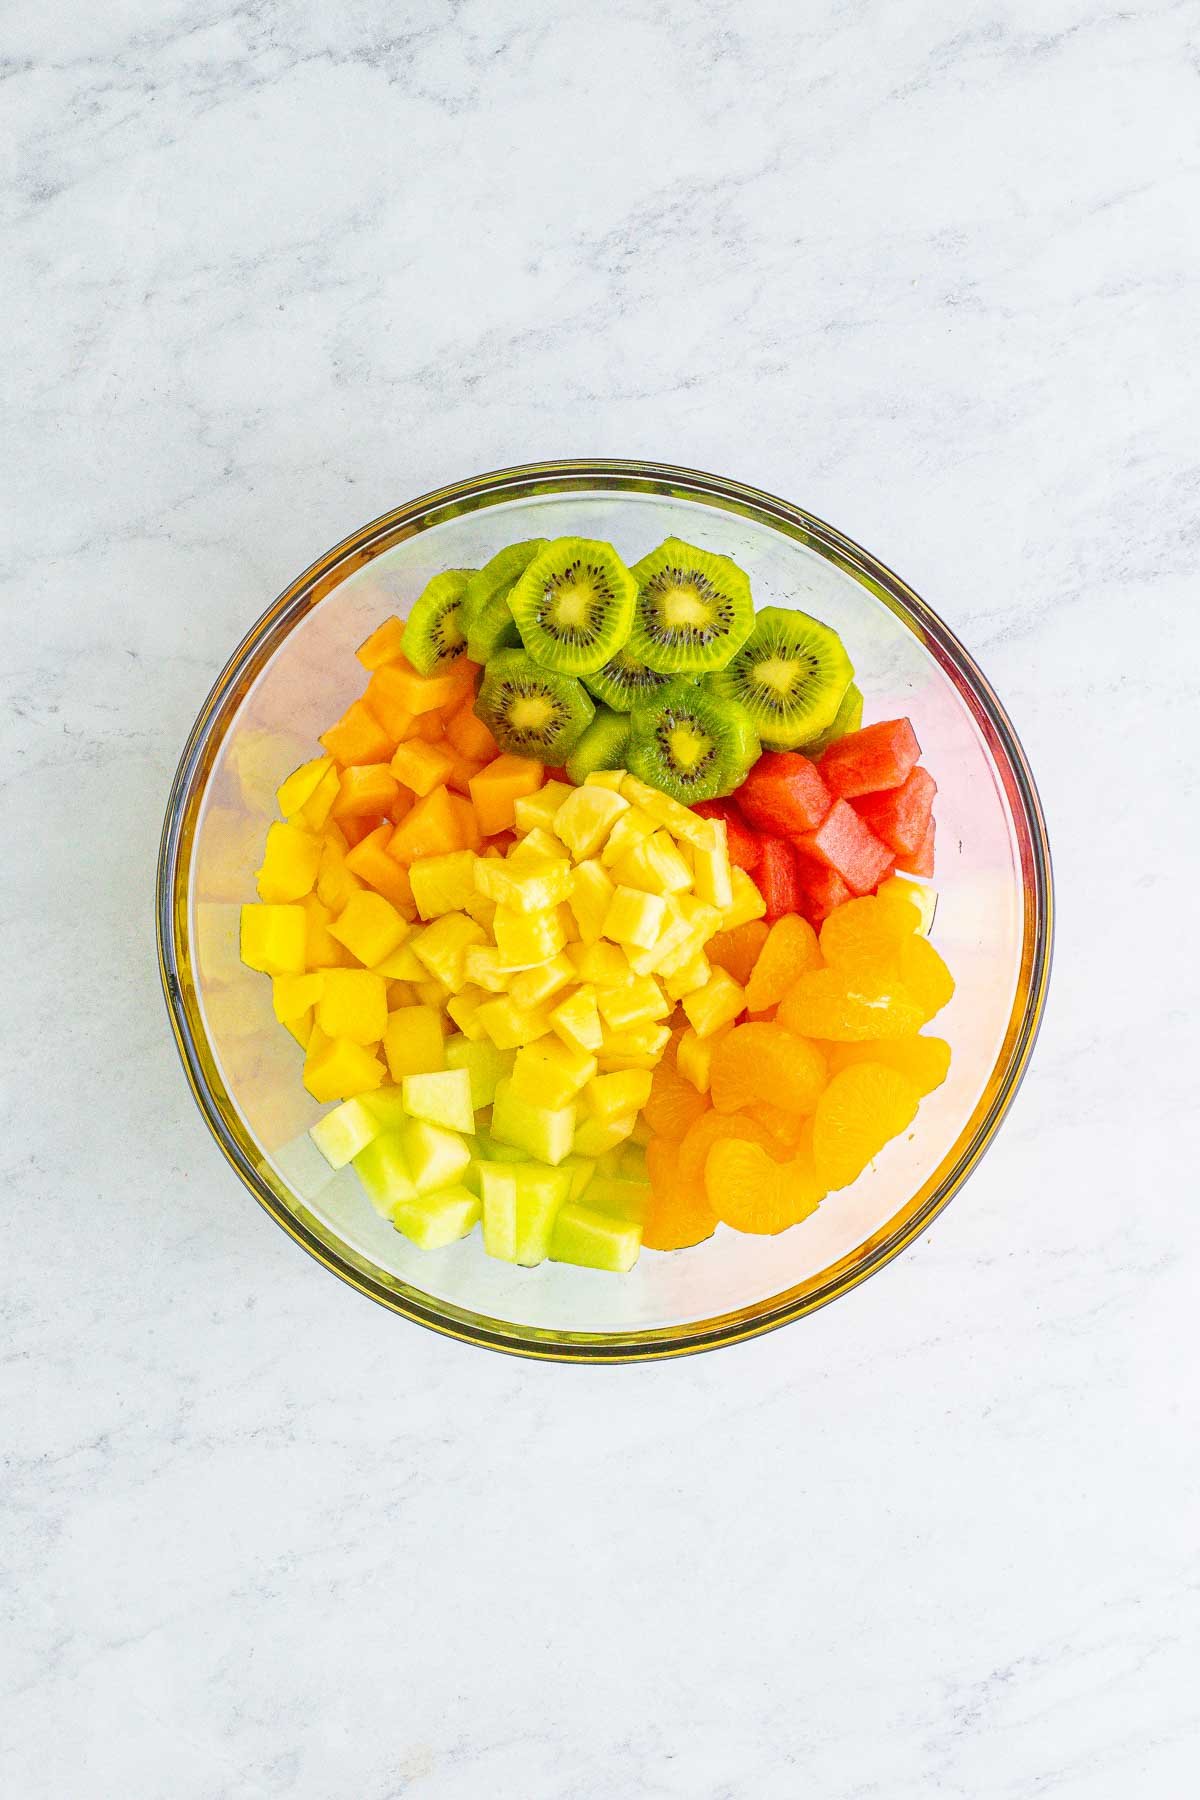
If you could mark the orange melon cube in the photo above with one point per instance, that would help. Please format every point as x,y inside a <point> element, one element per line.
<point>429,728</point>
<point>385,700</point>
<point>358,737</point>
<point>423,693</point>
<point>383,645</point>
<point>468,824</point>
<point>469,735</point>
<point>430,829</point>
<point>370,862</point>
<point>365,792</point>
<point>463,771</point>
<point>421,766</point>
<point>497,788</point>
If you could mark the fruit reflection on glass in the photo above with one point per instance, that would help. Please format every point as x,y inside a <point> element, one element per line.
<point>596,918</point>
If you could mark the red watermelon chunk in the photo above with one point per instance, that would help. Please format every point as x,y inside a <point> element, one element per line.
<point>921,860</point>
<point>845,843</point>
<point>823,890</point>
<point>744,848</point>
<point>778,878</point>
<point>868,761</point>
<point>783,794</point>
<point>901,816</point>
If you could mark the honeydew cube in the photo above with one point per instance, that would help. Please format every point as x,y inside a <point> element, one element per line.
<point>382,1167</point>
<point>413,1041</point>
<point>463,1008</point>
<point>712,877</point>
<point>547,1132</point>
<point>339,1069</point>
<point>580,1169</point>
<point>531,811</point>
<point>436,1220</point>
<point>748,903</point>
<point>603,965</point>
<point>609,1097</point>
<point>618,1197</point>
<point>402,964</point>
<point>605,778</point>
<point>301,784</point>
<point>591,895</point>
<point>511,1026</point>
<point>576,1020</point>
<point>586,817</point>
<point>484,1064</point>
<point>342,1133</point>
<point>489,1149</point>
<point>370,928</point>
<point>498,1194</point>
<point>693,975</point>
<point>534,886</point>
<point>290,863</point>
<point>442,1098</point>
<point>551,1073</point>
<point>352,1004</point>
<point>520,1204</point>
<point>443,884</point>
<point>527,938</point>
<point>638,999</point>
<point>273,939</point>
<point>717,1003</point>
<point>441,946</point>
<point>293,995</point>
<point>595,1137</point>
<point>437,1158</point>
<point>532,986</point>
<point>594,1240</point>
<point>632,828</point>
<point>386,1107</point>
<point>636,918</point>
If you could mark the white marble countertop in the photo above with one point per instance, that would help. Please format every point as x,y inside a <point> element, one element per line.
<point>931,271</point>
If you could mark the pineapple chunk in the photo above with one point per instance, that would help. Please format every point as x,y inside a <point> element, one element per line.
<point>527,938</point>
<point>636,1000</point>
<point>353,1004</point>
<point>712,877</point>
<point>694,974</point>
<point>606,778</point>
<point>604,965</point>
<point>591,892</point>
<point>370,927</point>
<point>533,810</point>
<point>748,903</point>
<point>678,819</point>
<point>549,1073</point>
<point>535,886</point>
<point>463,1008</point>
<point>654,865</point>
<point>443,884</point>
<point>510,1026</point>
<point>632,828</point>
<point>609,1097</point>
<point>717,1003</point>
<point>485,967</point>
<point>647,1038</point>
<point>584,821</point>
<point>536,844</point>
<point>577,1020</point>
<point>635,918</point>
<point>442,946</point>
<point>533,986</point>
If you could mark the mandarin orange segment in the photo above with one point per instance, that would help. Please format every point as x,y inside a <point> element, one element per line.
<point>861,1110</point>
<point>749,1190</point>
<point>677,1214</point>
<point>925,976</point>
<point>674,1103</point>
<point>788,1129</point>
<point>712,1129</point>
<point>844,1008</point>
<point>737,951</point>
<point>868,934</point>
<point>764,1063</point>
<point>925,1060</point>
<point>790,950</point>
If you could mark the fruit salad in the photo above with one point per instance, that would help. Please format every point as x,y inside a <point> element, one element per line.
<point>602,920</point>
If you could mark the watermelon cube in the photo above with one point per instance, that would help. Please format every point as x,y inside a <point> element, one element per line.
<point>868,761</point>
<point>901,816</point>
<point>921,861</point>
<point>822,890</point>
<point>784,794</point>
<point>844,842</point>
<point>778,878</point>
<point>743,844</point>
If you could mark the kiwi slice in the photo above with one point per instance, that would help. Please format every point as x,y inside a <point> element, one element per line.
<point>849,718</point>
<point>492,628</point>
<point>693,609</point>
<point>602,745</point>
<point>791,675</point>
<point>496,577</point>
<point>574,605</point>
<point>532,711</point>
<point>624,682</point>
<point>691,743</point>
<point>433,632</point>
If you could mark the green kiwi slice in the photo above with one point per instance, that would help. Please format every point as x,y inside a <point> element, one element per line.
<point>532,711</point>
<point>849,718</point>
<point>602,746</point>
<point>574,605</point>
<point>492,628</point>
<point>433,632</point>
<point>624,682</point>
<point>693,610</point>
<point>496,577</point>
<point>691,743</point>
<point>791,675</point>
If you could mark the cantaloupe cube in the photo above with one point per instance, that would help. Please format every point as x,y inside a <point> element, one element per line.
<point>339,1068</point>
<point>383,645</point>
<point>537,809</point>
<point>609,1097</point>
<point>527,938</point>
<point>292,995</point>
<point>290,863</point>
<point>301,784</point>
<point>369,861</point>
<point>370,927</point>
<point>441,947</point>
<point>365,792</point>
<point>634,917</point>
<point>635,1000</point>
<point>551,1073</point>
<point>468,734</point>
<point>496,789</point>
<point>421,766</point>
<point>591,895</point>
<point>586,817</point>
<point>577,1020</point>
<point>352,1004</point>
<point>413,1042</point>
<point>432,828</point>
<point>443,884</point>
<point>420,694</point>
<point>358,737</point>
<point>272,939</point>
<point>717,1003</point>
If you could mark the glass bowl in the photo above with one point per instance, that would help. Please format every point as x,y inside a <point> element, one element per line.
<point>296,671</point>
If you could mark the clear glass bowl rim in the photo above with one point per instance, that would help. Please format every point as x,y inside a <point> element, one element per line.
<point>523,482</point>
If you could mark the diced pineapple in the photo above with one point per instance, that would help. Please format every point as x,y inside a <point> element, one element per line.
<point>481,909</point>
<point>443,884</point>
<point>273,939</point>
<point>577,1020</point>
<point>679,820</point>
<point>534,886</point>
<point>609,1097</point>
<point>353,1004</point>
<point>536,844</point>
<point>510,1026</point>
<point>339,1069</point>
<point>585,819</point>
<point>441,946</point>
<point>693,1058</point>
<point>370,928</point>
<point>635,918</point>
<point>485,967</point>
<point>712,877</point>
<point>748,903</point>
<point>655,866</point>
<point>431,993</point>
<point>527,938</point>
<point>638,999</point>
<point>533,810</point>
<point>463,1008</point>
<point>549,1073</point>
<point>591,893</point>
<point>716,1004</point>
<point>532,986</point>
<point>694,974</point>
<point>595,1137</point>
<point>605,778</point>
<point>632,828</point>
<point>601,964</point>
<point>413,1041</point>
<point>646,1038</point>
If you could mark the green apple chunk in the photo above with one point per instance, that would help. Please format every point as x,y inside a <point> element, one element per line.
<point>438,1219</point>
<point>594,1240</point>
<point>547,1132</point>
<point>441,1099</point>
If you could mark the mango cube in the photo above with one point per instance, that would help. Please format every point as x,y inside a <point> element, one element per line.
<point>273,939</point>
<point>292,995</point>
<point>586,817</point>
<point>638,1000</point>
<point>290,864</point>
<point>342,1133</point>
<point>533,810</point>
<point>370,928</point>
<point>635,918</point>
<point>609,1097</point>
<point>314,814</point>
<point>301,784</point>
<point>413,1041</point>
<point>335,881</point>
<point>535,885</point>
<point>441,947</point>
<point>596,1137</point>
<point>443,884</point>
<point>442,1098</point>
<point>717,1003</point>
<point>321,949</point>
<point>576,1020</point>
<point>549,1073</point>
<point>339,1069</point>
<point>591,894</point>
<point>527,938</point>
<point>401,965</point>
<point>353,1004</point>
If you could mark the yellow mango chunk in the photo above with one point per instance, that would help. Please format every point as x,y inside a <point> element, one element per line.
<point>413,1042</point>
<point>339,1068</point>
<point>370,928</point>
<point>353,1004</point>
<point>290,864</point>
<point>272,939</point>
